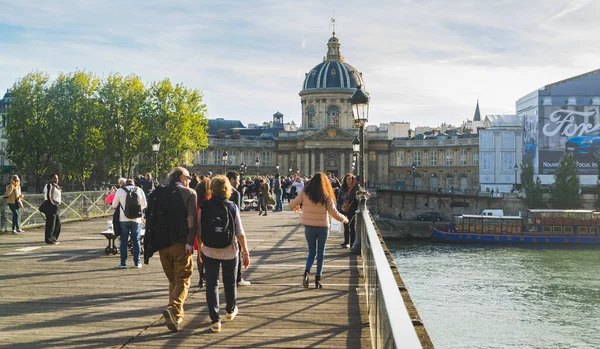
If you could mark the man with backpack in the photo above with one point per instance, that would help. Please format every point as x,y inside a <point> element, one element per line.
<point>130,201</point>
<point>171,226</point>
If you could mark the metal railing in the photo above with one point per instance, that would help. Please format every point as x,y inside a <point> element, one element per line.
<point>389,320</point>
<point>75,206</point>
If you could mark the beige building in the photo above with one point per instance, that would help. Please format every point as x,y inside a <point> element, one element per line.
<point>323,142</point>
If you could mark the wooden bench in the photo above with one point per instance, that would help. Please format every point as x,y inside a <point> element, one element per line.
<point>109,234</point>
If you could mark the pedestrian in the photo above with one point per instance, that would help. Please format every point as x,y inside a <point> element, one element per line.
<point>130,201</point>
<point>347,204</point>
<point>52,195</point>
<point>14,199</point>
<point>278,192</point>
<point>236,198</point>
<point>318,204</point>
<point>263,196</point>
<point>180,203</point>
<point>203,191</point>
<point>214,256</point>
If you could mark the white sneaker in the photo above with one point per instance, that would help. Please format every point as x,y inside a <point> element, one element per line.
<point>244,282</point>
<point>216,327</point>
<point>14,232</point>
<point>121,266</point>
<point>139,266</point>
<point>231,316</point>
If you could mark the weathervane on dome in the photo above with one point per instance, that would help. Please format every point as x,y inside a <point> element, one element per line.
<point>333,22</point>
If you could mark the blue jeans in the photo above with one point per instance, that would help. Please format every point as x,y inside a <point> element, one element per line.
<point>211,271</point>
<point>135,229</point>
<point>15,216</point>
<point>316,237</point>
<point>278,202</point>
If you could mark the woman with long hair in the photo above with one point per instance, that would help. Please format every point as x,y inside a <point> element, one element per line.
<point>318,203</point>
<point>347,204</point>
<point>13,198</point>
<point>204,193</point>
<point>215,257</point>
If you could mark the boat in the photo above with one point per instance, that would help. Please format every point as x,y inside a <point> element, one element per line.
<point>536,227</point>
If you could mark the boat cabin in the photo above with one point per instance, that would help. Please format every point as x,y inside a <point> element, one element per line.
<point>496,225</point>
<point>563,222</point>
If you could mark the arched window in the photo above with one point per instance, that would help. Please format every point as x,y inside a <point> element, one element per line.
<point>434,182</point>
<point>311,117</point>
<point>333,115</point>
<point>464,182</point>
<point>449,182</point>
<point>418,185</point>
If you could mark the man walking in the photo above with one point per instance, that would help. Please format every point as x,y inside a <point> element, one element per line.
<point>236,198</point>
<point>277,191</point>
<point>52,195</point>
<point>180,203</point>
<point>130,200</point>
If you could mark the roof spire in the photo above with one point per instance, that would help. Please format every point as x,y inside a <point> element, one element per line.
<point>477,116</point>
<point>333,22</point>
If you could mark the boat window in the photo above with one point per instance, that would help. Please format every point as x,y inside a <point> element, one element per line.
<point>568,229</point>
<point>557,229</point>
<point>582,230</point>
<point>547,229</point>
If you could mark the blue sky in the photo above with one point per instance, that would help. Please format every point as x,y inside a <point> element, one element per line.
<point>425,62</point>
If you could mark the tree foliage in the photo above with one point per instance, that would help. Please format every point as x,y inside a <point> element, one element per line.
<point>534,196</point>
<point>84,125</point>
<point>565,193</point>
<point>30,145</point>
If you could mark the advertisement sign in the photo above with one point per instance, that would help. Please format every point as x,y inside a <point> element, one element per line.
<point>555,130</point>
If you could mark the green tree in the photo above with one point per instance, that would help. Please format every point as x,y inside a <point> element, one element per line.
<point>176,115</point>
<point>565,194</point>
<point>534,196</point>
<point>122,105</point>
<point>76,117</point>
<point>30,144</point>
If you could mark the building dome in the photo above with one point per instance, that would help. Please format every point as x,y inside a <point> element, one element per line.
<point>333,73</point>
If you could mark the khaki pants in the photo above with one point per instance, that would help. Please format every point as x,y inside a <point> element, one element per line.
<point>178,269</point>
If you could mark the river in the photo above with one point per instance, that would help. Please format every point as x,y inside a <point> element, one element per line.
<point>484,296</point>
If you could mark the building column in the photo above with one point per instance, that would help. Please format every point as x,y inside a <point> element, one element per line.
<point>321,161</point>
<point>311,169</point>
<point>298,163</point>
<point>306,164</point>
<point>342,164</point>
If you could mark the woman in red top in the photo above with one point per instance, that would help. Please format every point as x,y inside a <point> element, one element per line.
<point>204,194</point>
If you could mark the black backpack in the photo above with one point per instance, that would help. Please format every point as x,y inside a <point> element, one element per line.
<point>217,218</point>
<point>132,208</point>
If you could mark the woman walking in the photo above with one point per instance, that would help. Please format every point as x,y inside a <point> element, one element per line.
<point>219,231</point>
<point>13,198</point>
<point>202,188</point>
<point>318,203</point>
<point>348,204</point>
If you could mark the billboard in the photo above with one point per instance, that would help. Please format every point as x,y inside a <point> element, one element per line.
<point>554,130</point>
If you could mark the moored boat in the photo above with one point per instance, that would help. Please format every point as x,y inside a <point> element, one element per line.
<point>538,226</point>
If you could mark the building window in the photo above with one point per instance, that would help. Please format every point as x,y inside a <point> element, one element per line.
<point>203,157</point>
<point>311,117</point>
<point>449,158</point>
<point>487,161</point>
<point>508,140</point>
<point>232,159</point>
<point>449,182</point>
<point>399,157</point>
<point>372,156</point>
<point>463,157</point>
<point>333,115</point>
<point>216,157</point>
<point>418,182</point>
<point>417,155</point>
<point>464,182</point>
<point>508,161</point>
<point>487,139</point>
<point>266,158</point>
<point>475,157</point>
<point>433,158</point>
<point>434,182</point>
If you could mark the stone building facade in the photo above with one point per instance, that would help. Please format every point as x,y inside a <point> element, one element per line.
<point>323,142</point>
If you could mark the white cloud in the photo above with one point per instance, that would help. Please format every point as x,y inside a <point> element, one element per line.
<point>424,62</point>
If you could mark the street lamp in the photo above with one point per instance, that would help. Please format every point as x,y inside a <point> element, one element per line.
<point>243,168</point>
<point>360,110</point>
<point>290,171</point>
<point>224,157</point>
<point>355,151</point>
<point>414,172</point>
<point>516,169</point>
<point>155,149</point>
<point>257,163</point>
<point>277,169</point>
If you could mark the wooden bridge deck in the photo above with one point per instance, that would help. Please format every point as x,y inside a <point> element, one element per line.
<point>72,296</point>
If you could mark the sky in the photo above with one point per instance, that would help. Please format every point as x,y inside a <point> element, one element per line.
<point>425,62</point>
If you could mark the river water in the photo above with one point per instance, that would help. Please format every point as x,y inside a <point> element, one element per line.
<point>483,296</point>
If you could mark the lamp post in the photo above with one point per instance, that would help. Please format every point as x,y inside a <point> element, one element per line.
<point>516,169</point>
<point>290,171</point>
<point>155,149</point>
<point>225,157</point>
<point>257,163</point>
<point>360,110</point>
<point>277,169</point>
<point>414,172</point>
<point>355,151</point>
<point>243,168</point>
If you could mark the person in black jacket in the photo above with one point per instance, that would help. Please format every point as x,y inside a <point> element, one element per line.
<point>347,204</point>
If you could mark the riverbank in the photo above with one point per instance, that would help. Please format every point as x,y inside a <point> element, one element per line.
<point>405,230</point>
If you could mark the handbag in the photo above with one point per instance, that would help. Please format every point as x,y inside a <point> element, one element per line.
<point>346,205</point>
<point>44,206</point>
<point>20,203</point>
<point>336,226</point>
